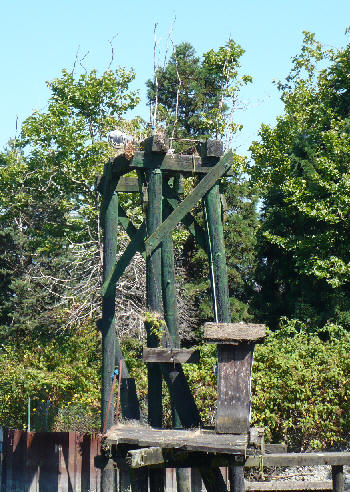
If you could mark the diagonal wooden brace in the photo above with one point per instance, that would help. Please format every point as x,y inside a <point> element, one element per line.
<point>136,244</point>
<point>189,202</point>
<point>172,200</point>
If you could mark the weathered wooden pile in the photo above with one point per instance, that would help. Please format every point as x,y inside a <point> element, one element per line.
<point>144,451</point>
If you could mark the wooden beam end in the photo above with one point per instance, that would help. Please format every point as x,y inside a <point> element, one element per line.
<point>233,332</point>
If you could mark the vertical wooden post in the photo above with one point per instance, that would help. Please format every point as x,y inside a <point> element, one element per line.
<point>171,319</point>
<point>232,360</point>
<point>109,221</point>
<point>154,294</point>
<point>154,302</point>
<point>338,478</point>
<point>236,479</point>
<point>130,406</point>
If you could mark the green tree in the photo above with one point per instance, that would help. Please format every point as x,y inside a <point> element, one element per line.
<point>195,99</point>
<point>301,166</point>
<point>49,205</point>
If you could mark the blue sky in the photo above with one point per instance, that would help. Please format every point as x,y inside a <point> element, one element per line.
<point>40,38</point>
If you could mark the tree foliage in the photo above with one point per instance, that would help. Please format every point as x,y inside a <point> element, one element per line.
<point>49,206</point>
<point>301,165</point>
<point>193,97</point>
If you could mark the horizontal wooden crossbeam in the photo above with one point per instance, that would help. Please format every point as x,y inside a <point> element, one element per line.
<point>158,456</point>
<point>189,202</point>
<point>180,163</point>
<point>128,184</point>
<point>233,332</point>
<point>190,440</point>
<point>171,355</point>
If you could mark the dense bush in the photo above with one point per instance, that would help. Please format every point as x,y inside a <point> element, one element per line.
<point>61,372</point>
<point>300,390</point>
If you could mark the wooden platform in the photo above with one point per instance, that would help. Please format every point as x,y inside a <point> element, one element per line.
<point>190,440</point>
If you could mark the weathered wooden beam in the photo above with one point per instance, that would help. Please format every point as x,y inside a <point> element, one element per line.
<point>288,485</point>
<point>211,148</point>
<point>233,332</point>
<point>234,368</point>
<point>171,355</point>
<point>128,184</point>
<point>172,458</point>
<point>156,144</point>
<point>189,202</point>
<point>299,459</point>
<point>138,458</point>
<point>175,163</point>
<point>167,457</point>
<point>276,448</point>
<point>257,438</point>
<point>109,221</point>
<point>191,440</point>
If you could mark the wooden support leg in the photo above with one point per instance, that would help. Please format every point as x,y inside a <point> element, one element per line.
<point>338,478</point>
<point>124,480</point>
<point>108,480</point>
<point>154,303</point>
<point>109,220</point>
<point>183,479</point>
<point>213,480</point>
<point>196,480</point>
<point>139,480</point>
<point>236,479</point>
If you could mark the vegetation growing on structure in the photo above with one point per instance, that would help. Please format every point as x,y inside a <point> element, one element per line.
<point>195,97</point>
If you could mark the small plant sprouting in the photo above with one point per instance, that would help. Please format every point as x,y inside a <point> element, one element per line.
<point>155,322</point>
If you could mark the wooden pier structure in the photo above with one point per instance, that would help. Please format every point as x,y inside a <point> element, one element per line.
<point>141,453</point>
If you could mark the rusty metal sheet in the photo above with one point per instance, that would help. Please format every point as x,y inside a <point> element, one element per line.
<point>50,461</point>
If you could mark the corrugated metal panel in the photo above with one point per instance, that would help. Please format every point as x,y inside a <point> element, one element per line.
<point>50,462</point>
<point>61,462</point>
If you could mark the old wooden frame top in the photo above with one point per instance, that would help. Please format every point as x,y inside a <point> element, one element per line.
<point>180,213</point>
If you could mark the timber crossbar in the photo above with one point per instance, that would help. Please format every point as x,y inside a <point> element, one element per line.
<point>171,355</point>
<point>189,440</point>
<point>161,456</point>
<point>211,178</point>
<point>233,333</point>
